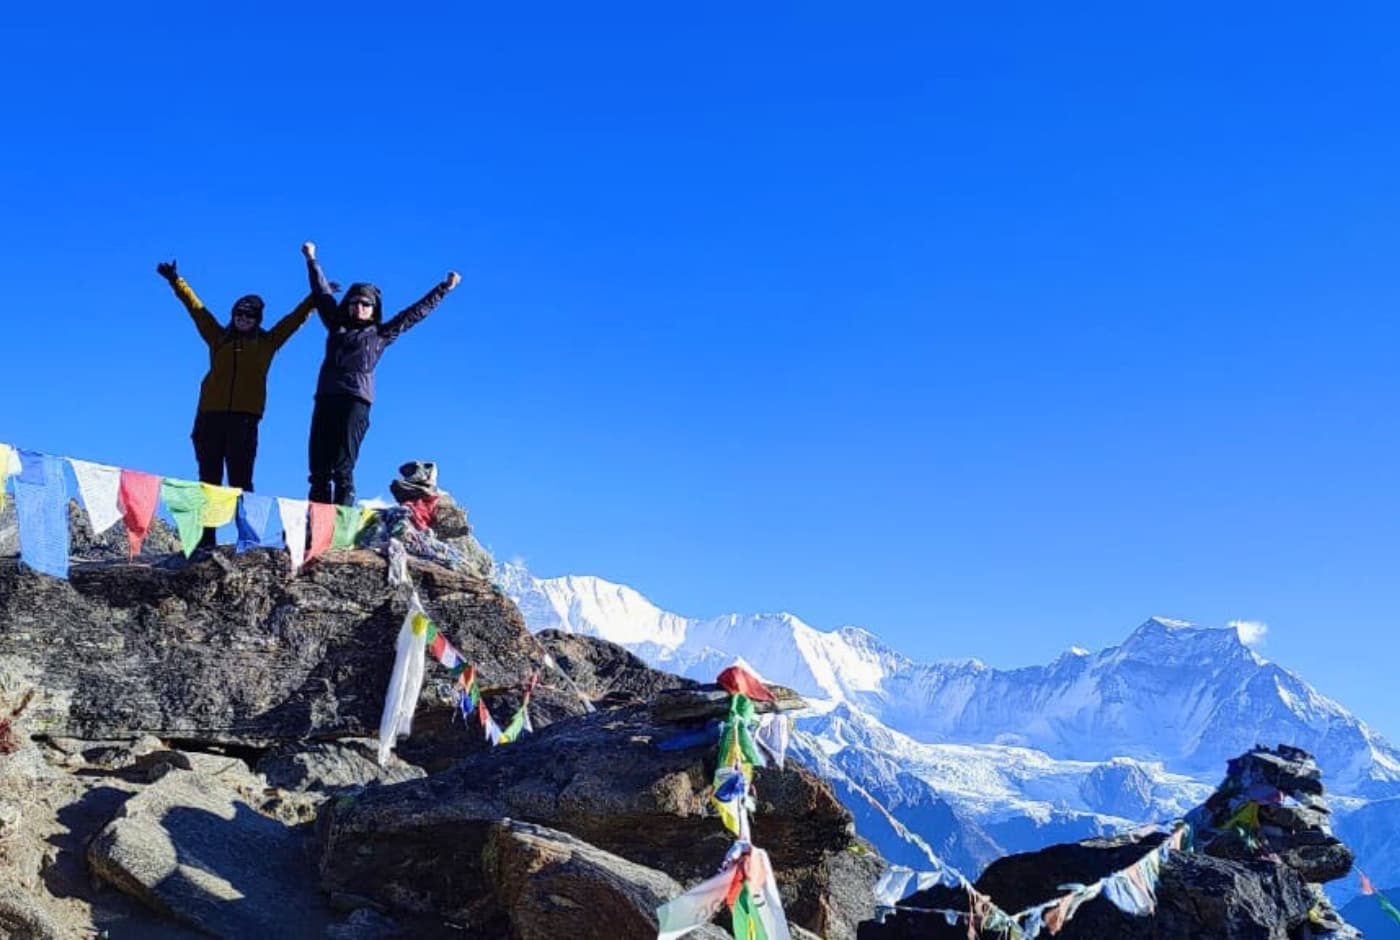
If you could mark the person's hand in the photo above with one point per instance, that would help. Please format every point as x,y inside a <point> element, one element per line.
<point>309,250</point>
<point>166,269</point>
<point>452,280</point>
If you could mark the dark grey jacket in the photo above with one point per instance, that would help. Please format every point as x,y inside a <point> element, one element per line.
<point>353,348</point>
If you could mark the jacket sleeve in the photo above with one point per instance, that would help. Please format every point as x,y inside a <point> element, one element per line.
<point>204,321</point>
<point>323,299</point>
<point>411,315</point>
<point>292,322</point>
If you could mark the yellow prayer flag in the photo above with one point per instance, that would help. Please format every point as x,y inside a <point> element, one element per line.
<point>420,623</point>
<point>220,504</point>
<point>7,462</point>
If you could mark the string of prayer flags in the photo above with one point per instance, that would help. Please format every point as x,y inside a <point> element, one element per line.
<point>1132,889</point>
<point>293,512</point>
<point>99,487</point>
<point>405,681</point>
<point>41,508</point>
<point>220,504</point>
<point>323,518</point>
<point>1368,888</point>
<point>745,883</point>
<point>185,500</point>
<point>739,680</point>
<point>471,700</point>
<point>254,522</point>
<point>139,494</point>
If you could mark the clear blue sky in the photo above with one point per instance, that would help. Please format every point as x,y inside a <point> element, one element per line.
<point>994,331</point>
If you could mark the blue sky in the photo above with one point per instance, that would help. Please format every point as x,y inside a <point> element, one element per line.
<point>994,331</point>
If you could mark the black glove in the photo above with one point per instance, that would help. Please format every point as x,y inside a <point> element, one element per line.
<point>166,269</point>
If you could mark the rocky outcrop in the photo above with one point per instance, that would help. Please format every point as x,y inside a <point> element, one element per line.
<point>1263,849</point>
<point>229,650</point>
<point>603,778</point>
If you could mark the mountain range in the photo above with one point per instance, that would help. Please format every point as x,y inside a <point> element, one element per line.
<point>958,762</point>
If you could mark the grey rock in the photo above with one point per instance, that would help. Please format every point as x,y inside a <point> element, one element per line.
<point>10,815</point>
<point>326,766</point>
<point>187,847</point>
<point>549,884</point>
<point>364,924</point>
<point>1119,788</point>
<point>450,524</point>
<point>702,702</point>
<point>605,672</point>
<point>22,917</point>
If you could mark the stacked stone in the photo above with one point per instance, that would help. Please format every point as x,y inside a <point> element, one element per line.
<point>1271,806</point>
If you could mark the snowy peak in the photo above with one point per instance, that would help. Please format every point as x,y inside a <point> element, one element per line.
<point>1186,695</point>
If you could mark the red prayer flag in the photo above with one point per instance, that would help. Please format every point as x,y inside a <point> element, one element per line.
<point>438,647</point>
<point>741,874</point>
<point>323,518</point>
<point>736,680</point>
<point>1366,886</point>
<point>138,495</point>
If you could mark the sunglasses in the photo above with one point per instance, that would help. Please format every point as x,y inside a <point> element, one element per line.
<point>361,302</point>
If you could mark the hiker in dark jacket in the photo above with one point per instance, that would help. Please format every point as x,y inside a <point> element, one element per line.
<point>234,391</point>
<point>356,337</point>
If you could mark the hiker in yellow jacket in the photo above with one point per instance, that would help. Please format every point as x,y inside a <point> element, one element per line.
<point>234,391</point>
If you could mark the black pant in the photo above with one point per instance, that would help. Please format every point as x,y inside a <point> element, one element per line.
<point>338,426</point>
<point>225,440</point>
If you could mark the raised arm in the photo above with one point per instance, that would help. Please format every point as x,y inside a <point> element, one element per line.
<point>292,322</point>
<point>204,321</point>
<point>322,291</point>
<point>413,314</point>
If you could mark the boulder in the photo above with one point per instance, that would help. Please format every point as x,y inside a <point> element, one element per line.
<point>187,847</point>
<point>418,846</point>
<point>549,884</point>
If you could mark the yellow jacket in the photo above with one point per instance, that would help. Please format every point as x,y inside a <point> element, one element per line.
<point>238,362</point>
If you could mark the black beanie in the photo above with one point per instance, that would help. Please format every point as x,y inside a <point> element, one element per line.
<point>249,304</point>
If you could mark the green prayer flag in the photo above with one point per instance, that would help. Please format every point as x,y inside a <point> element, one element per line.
<point>1388,907</point>
<point>747,925</point>
<point>517,724</point>
<point>185,500</point>
<point>347,526</point>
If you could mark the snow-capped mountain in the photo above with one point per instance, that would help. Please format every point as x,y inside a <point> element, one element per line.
<point>1091,742</point>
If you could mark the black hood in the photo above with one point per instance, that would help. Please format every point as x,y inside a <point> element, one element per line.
<point>361,289</point>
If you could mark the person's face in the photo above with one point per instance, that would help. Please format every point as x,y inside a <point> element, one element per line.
<point>361,308</point>
<point>245,322</point>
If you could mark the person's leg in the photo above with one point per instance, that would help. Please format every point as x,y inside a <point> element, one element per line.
<point>210,438</point>
<point>242,450</point>
<point>354,425</point>
<point>321,456</point>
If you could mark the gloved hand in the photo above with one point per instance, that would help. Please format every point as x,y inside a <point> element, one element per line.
<point>166,269</point>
